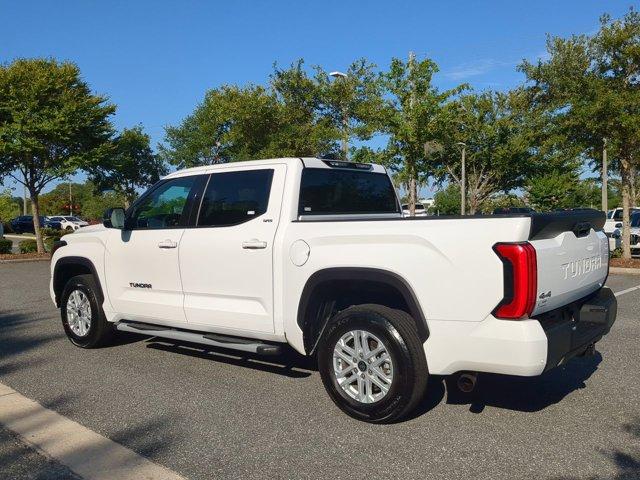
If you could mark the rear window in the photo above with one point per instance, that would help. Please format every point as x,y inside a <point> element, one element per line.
<point>335,192</point>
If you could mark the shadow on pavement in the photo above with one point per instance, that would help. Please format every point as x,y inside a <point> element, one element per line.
<point>13,340</point>
<point>289,364</point>
<point>627,462</point>
<point>525,394</point>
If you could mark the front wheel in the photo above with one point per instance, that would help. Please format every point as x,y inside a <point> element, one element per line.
<point>82,316</point>
<point>372,363</point>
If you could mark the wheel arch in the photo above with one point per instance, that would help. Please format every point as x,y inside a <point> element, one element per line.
<point>330,290</point>
<point>68,267</point>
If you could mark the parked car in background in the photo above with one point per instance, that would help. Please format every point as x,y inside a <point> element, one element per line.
<point>420,210</point>
<point>68,223</point>
<point>616,237</point>
<point>613,223</point>
<point>24,224</point>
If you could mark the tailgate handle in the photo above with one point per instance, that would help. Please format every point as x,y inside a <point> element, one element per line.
<point>582,229</point>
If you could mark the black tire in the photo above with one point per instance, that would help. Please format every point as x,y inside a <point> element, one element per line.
<point>68,229</point>
<point>100,332</point>
<point>396,329</point>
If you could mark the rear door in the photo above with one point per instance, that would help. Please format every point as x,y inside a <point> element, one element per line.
<point>226,260</point>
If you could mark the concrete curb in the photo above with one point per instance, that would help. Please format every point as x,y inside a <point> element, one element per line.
<point>624,270</point>
<point>24,260</point>
<point>83,451</point>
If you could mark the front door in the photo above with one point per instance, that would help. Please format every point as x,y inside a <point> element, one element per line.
<point>141,262</point>
<point>226,261</point>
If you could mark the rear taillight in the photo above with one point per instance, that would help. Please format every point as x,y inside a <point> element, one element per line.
<point>520,280</point>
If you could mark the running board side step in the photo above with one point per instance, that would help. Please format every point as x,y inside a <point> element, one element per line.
<point>213,339</point>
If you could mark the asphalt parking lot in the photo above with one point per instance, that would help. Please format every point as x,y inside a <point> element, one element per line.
<point>217,415</point>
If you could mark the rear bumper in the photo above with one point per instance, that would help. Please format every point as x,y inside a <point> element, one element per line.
<point>571,330</point>
<point>520,347</point>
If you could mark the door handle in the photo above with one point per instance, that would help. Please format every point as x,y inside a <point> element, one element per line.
<point>254,244</point>
<point>167,244</point>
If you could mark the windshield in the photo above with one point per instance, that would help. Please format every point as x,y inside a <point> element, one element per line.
<point>635,220</point>
<point>73,219</point>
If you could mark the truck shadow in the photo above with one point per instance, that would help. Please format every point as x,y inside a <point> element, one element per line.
<point>289,363</point>
<point>525,394</point>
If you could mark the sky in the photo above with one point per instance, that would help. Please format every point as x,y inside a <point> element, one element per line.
<point>156,59</point>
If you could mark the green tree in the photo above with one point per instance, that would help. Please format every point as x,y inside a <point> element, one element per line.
<point>231,124</point>
<point>89,200</point>
<point>492,129</point>
<point>447,200</point>
<point>353,103</point>
<point>297,114</point>
<point>50,125</point>
<point>130,166</point>
<point>414,109</point>
<point>8,207</point>
<point>590,88</point>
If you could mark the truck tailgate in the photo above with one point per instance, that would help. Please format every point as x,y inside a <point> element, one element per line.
<point>573,261</point>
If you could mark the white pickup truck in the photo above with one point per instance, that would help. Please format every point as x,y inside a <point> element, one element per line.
<point>316,254</point>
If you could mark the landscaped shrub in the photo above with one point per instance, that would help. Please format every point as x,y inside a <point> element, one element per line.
<point>28,246</point>
<point>5,245</point>
<point>49,241</point>
<point>617,253</point>
<point>50,232</point>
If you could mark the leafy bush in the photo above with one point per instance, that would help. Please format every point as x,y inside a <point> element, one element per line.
<point>49,241</point>
<point>5,245</point>
<point>50,232</point>
<point>28,246</point>
<point>617,253</point>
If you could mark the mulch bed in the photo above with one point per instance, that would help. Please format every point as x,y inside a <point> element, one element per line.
<point>621,262</point>
<point>24,256</point>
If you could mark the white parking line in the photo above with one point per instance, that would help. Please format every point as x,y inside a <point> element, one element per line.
<point>628,290</point>
<point>85,452</point>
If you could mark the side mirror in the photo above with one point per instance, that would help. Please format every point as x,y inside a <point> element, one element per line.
<point>618,225</point>
<point>114,218</point>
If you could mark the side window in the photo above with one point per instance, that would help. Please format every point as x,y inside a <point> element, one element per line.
<point>165,206</point>
<point>232,198</point>
<point>617,215</point>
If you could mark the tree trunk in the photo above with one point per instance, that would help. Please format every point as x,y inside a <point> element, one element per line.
<point>35,206</point>
<point>632,171</point>
<point>625,180</point>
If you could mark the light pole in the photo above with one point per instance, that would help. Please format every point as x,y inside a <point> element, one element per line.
<point>463,180</point>
<point>345,119</point>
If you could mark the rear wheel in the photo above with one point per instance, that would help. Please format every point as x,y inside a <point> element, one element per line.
<point>372,363</point>
<point>82,316</point>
